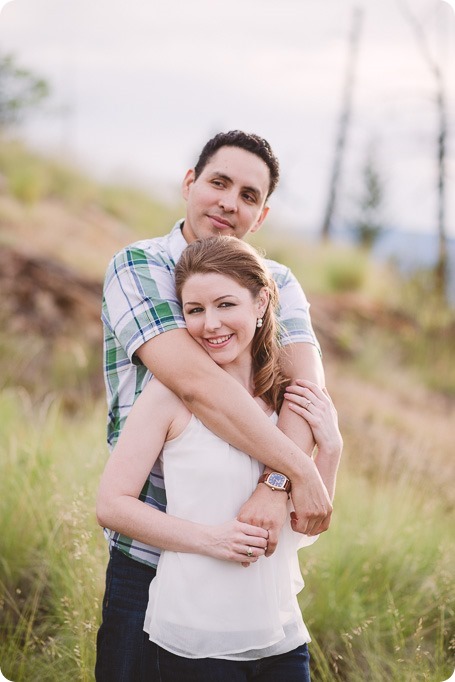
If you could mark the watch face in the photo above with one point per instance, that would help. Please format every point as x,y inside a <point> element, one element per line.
<point>277,480</point>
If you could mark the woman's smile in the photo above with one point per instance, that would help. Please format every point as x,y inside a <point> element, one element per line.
<point>219,340</point>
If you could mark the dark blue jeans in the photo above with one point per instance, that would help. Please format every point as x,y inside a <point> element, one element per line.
<point>293,666</point>
<point>124,651</point>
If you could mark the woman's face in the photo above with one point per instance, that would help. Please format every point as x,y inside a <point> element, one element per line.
<point>221,315</point>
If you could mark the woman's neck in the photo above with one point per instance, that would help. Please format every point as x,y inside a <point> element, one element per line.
<point>243,373</point>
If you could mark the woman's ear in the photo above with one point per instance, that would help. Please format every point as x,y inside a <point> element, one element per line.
<point>263,301</point>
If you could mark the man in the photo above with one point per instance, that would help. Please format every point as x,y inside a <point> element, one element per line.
<point>145,334</point>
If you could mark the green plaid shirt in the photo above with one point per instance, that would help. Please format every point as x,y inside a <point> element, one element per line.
<point>140,302</point>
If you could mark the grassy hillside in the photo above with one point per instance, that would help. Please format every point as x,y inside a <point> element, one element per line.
<point>50,209</point>
<point>379,595</point>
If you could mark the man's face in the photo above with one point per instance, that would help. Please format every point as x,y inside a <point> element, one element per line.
<point>228,198</point>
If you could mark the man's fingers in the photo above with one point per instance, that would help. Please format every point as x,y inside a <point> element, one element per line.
<point>272,542</point>
<point>310,526</point>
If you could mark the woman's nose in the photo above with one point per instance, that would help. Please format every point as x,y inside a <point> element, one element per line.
<point>212,320</point>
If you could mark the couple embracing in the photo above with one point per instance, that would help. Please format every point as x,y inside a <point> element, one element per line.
<point>216,399</point>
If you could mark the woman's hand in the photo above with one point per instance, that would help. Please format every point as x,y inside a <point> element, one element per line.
<point>315,405</point>
<point>236,541</point>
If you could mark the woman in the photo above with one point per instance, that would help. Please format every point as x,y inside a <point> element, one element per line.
<point>211,618</point>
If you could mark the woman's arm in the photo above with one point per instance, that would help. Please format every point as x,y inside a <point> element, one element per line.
<point>268,508</point>
<point>315,405</point>
<point>156,416</point>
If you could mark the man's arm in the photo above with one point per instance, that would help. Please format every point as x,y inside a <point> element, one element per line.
<point>226,408</point>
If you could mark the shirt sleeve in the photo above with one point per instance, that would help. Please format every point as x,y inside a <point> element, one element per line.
<point>139,300</point>
<point>294,312</point>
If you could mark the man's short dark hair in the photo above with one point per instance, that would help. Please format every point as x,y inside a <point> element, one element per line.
<point>248,141</point>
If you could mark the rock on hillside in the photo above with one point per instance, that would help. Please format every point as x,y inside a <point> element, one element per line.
<point>46,298</point>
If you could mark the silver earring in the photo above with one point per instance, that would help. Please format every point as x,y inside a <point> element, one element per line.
<point>259,322</point>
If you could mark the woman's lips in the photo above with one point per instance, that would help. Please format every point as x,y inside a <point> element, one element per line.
<point>218,341</point>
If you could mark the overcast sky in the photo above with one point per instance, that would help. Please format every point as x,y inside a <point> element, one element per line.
<point>139,86</point>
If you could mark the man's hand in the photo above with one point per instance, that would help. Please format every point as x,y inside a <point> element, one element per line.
<point>313,508</point>
<point>268,509</point>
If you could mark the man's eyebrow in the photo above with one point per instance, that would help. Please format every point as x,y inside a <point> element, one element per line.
<point>217,174</point>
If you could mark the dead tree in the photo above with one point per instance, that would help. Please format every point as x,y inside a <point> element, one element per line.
<point>441,269</point>
<point>344,121</point>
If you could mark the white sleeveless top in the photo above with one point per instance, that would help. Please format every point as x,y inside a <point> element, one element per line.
<point>202,607</point>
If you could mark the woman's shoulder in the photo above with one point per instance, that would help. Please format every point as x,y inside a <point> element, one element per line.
<point>157,393</point>
<point>160,398</point>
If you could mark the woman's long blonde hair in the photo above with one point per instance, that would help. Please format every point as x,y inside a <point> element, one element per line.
<point>238,260</point>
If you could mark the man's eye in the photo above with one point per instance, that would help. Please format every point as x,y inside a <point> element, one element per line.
<point>250,198</point>
<point>217,183</point>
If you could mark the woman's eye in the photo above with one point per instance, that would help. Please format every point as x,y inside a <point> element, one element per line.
<point>226,304</point>
<point>191,311</point>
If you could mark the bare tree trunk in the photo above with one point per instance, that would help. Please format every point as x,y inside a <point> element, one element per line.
<point>343,124</point>
<point>442,265</point>
<point>441,270</point>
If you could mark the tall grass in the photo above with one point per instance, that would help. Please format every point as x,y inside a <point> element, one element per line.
<point>380,597</point>
<point>52,552</point>
<point>378,600</point>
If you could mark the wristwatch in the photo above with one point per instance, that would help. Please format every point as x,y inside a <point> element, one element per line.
<point>276,481</point>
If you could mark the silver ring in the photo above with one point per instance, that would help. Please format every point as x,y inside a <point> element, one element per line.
<point>308,403</point>
<point>249,552</point>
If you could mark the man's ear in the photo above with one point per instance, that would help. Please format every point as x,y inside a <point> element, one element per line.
<point>260,220</point>
<point>187,182</point>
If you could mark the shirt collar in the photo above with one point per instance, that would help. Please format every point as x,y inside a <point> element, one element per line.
<point>177,242</point>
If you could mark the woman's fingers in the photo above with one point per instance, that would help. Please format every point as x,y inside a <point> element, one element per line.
<point>305,405</point>
<point>254,537</point>
<point>251,543</point>
<point>308,400</point>
<point>254,531</point>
